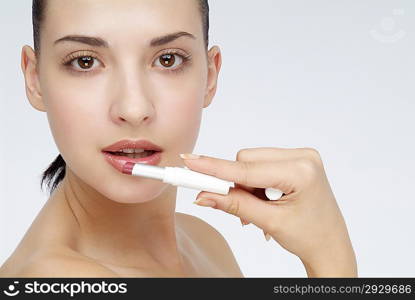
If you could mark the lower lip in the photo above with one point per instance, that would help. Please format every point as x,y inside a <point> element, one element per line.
<point>118,162</point>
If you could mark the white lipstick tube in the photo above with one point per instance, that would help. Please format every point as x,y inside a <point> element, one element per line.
<point>188,178</point>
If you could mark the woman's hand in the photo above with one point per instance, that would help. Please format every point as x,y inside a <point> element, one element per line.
<point>306,221</point>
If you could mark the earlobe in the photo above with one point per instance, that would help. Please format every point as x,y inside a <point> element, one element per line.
<point>214,65</point>
<point>30,73</point>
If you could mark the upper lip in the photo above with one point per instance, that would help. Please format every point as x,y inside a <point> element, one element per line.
<point>131,144</point>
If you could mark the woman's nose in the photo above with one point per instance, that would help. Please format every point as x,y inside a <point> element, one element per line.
<point>131,102</point>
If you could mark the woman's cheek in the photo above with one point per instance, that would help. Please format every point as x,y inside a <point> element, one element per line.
<point>71,120</point>
<point>180,119</point>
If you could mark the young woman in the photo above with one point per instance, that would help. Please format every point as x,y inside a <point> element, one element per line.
<point>132,75</point>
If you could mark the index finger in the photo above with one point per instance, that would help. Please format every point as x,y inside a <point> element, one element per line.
<point>266,154</point>
<point>260,174</point>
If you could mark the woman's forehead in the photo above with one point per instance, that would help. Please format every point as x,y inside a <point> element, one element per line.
<point>144,19</point>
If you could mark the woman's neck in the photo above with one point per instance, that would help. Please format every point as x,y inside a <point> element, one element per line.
<point>133,235</point>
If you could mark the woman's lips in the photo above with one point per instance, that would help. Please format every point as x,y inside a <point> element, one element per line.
<point>118,162</point>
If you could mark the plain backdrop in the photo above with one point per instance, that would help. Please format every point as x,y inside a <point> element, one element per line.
<point>337,76</point>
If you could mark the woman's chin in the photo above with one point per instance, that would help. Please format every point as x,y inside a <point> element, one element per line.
<point>141,191</point>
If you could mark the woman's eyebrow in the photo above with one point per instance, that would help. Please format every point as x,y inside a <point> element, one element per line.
<point>165,39</point>
<point>99,42</point>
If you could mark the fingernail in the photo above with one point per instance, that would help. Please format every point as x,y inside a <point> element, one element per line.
<point>267,236</point>
<point>205,202</point>
<point>189,156</point>
<point>244,222</point>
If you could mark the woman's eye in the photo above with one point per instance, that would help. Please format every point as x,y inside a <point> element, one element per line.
<point>170,61</point>
<point>83,63</point>
<point>173,62</point>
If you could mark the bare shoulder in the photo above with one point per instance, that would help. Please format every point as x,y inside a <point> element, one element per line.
<point>63,263</point>
<point>210,239</point>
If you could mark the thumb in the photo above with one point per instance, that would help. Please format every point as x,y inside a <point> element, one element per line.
<point>244,205</point>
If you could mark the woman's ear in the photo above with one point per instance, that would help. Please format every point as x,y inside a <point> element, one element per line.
<point>28,65</point>
<point>214,64</point>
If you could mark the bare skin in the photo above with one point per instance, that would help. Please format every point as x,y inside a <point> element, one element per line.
<point>306,221</point>
<point>100,222</point>
<point>52,248</point>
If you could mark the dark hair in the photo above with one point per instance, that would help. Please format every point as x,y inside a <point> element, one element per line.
<point>38,16</point>
<point>57,169</point>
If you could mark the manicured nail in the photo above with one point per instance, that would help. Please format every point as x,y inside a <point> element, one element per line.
<point>205,202</point>
<point>243,222</point>
<point>189,156</point>
<point>267,236</point>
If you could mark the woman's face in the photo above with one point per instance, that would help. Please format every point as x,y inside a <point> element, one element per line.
<point>129,90</point>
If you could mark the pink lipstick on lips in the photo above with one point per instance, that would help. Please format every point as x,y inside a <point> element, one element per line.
<point>141,151</point>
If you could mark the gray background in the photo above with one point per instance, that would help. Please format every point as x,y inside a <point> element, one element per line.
<point>334,75</point>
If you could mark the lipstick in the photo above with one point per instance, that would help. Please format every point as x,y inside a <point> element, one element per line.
<point>184,177</point>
